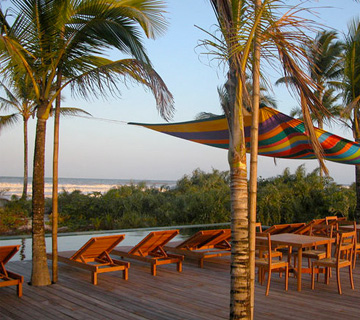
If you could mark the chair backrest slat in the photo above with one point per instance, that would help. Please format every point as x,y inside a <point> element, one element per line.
<point>153,241</point>
<point>200,239</point>
<point>7,252</point>
<point>346,246</point>
<point>96,246</point>
<point>263,244</point>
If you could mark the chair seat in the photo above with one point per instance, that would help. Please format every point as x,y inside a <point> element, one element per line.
<point>274,263</point>
<point>331,262</point>
<point>274,253</point>
<point>314,254</point>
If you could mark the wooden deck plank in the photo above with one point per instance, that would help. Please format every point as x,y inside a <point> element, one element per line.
<point>194,294</point>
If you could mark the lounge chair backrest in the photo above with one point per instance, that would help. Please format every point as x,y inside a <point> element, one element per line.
<point>97,246</point>
<point>306,228</point>
<point>7,252</point>
<point>223,238</point>
<point>200,239</point>
<point>153,241</point>
<point>277,228</point>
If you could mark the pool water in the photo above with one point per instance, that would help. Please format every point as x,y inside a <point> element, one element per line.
<point>75,241</point>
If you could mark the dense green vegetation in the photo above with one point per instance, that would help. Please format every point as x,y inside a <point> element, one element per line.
<point>197,199</point>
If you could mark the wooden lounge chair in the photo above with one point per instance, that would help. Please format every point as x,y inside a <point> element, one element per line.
<point>203,245</point>
<point>151,250</point>
<point>94,256</point>
<point>7,277</point>
<point>284,228</point>
<point>306,228</point>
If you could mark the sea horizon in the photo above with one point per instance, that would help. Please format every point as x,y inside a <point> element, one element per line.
<point>10,185</point>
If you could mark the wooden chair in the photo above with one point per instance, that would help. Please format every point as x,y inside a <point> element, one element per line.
<point>203,245</point>
<point>320,230</point>
<point>357,245</point>
<point>94,256</point>
<point>7,277</point>
<point>258,227</point>
<point>343,258</point>
<point>331,219</point>
<point>151,250</point>
<point>265,263</point>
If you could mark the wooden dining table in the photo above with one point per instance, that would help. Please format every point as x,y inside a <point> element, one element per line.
<point>300,241</point>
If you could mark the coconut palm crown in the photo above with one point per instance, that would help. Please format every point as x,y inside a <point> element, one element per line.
<point>71,36</point>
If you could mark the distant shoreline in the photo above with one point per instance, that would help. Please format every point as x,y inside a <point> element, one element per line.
<point>14,185</point>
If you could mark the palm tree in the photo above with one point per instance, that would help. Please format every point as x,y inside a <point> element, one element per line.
<point>330,101</point>
<point>351,92</point>
<point>324,58</point>
<point>238,20</point>
<point>69,36</point>
<point>18,99</point>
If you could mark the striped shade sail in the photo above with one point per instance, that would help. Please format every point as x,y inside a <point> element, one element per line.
<point>280,136</point>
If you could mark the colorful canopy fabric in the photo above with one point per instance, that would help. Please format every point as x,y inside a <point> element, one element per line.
<point>280,136</point>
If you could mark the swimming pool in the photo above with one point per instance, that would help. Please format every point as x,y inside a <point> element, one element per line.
<point>74,241</point>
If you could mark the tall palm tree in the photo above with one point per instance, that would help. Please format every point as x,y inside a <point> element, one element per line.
<point>331,102</point>
<point>238,20</point>
<point>351,92</point>
<point>70,35</point>
<point>324,55</point>
<point>325,67</point>
<point>18,98</point>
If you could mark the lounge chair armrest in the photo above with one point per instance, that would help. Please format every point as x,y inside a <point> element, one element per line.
<point>177,256</point>
<point>122,263</point>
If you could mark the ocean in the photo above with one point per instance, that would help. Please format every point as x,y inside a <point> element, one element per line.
<point>13,185</point>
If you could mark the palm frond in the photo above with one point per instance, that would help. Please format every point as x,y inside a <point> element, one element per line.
<point>9,120</point>
<point>103,79</point>
<point>70,111</point>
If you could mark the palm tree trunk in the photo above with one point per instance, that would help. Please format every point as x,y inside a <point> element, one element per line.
<point>240,291</point>
<point>24,193</point>
<point>356,134</point>
<point>254,162</point>
<point>55,184</point>
<point>321,126</point>
<point>55,193</point>
<point>40,272</point>
<point>357,189</point>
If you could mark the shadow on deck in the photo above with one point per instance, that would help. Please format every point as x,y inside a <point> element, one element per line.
<point>193,294</point>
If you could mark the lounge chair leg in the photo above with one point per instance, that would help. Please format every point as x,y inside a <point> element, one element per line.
<point>201,263</point>
<point>153,269</point>
<point>312,277</point>
<point>19,290</point>
<point>179,266</point>
<point>126,274</point>
<point>94,278</point>
<point>286,277</point>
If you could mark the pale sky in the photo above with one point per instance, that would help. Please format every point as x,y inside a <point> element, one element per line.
<point>101,149</point>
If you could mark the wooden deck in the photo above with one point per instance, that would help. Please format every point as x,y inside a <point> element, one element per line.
<point>193,294</point>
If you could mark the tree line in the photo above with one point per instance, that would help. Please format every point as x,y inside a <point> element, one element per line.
<point>199,198</point>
